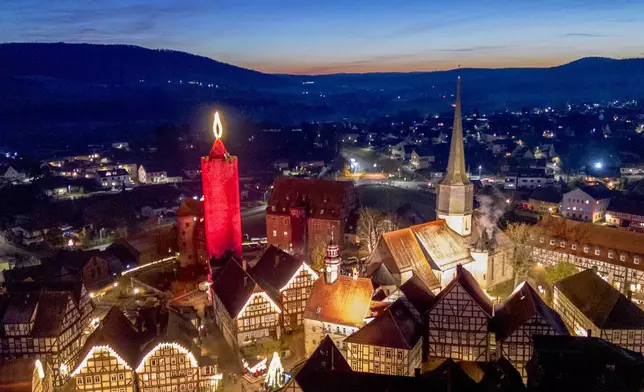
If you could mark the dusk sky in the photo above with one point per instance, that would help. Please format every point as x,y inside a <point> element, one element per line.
<point>330,36</point>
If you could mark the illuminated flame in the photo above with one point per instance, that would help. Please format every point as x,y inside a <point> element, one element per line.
<point>217,128</point>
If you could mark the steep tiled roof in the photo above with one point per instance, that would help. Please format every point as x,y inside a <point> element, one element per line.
<point>465,280</point>
<point>520,307</point>
<point>321,198</point>
<point>396,327</point>
<point>190,207</point>
<point>606,307</point>
<point>627,243</point>
<point>115,331</point>
<point>325,358</point>
<point>274,269</point>
<point>233,287</point>
<point>345,302</point>
<point>418,294</point>
<point>48,306</point>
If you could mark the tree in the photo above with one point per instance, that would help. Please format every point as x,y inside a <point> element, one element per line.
<point>523,259</point>
<point>275,373</point>
<point>317,257</point>
<point>372,224</point>
<point>559,271</point>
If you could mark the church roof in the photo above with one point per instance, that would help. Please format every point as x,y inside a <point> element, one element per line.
<point>346,301</point>
<point>443,245</point>
<point>456,171</point>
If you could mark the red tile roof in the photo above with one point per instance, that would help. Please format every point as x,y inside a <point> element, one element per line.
<point>345,302</point>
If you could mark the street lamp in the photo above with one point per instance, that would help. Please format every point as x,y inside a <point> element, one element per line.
<point>480,168</point>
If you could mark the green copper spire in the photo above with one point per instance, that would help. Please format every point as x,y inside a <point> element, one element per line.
<point>456,172</point>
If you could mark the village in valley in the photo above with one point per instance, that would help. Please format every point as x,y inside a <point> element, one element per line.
<point>327,277</point>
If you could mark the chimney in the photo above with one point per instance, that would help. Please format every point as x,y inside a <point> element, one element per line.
<point>590,333</point>
<point>416,372</point>
<point>244,264</point>
<point>459,268</point>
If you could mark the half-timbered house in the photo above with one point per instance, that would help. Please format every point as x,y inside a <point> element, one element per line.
<point>521,316</point>
<point>390,344</point>
<point>590,306</point>
<point>171,360</point>
<point>458,320</point>
<point>287,278</point>
<point>108,356</point>
<point>244,310</point>
<point>46,322</point>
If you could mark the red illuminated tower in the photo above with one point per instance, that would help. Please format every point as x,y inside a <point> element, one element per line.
<point>220,180</point>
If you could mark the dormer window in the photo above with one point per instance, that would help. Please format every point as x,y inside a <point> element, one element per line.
<point>611,254</point>
<point>574,246</point>
<point>636,260</point>
<point>562,244</point>
<point>552,241</point>
<point>531,237</point>
<point>541,240</point>
<point>586,249</point>
<point>622,257</point>
<point>597,252</point>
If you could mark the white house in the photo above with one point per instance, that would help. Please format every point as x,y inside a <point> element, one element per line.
<point>586,204</point>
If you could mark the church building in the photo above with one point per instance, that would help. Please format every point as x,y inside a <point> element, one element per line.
<point>432,250</point>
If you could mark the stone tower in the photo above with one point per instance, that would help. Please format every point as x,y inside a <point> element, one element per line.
<point>455,191</point>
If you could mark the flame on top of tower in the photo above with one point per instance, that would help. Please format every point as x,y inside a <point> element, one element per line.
<point>217,128</point>
<point>218,149</point>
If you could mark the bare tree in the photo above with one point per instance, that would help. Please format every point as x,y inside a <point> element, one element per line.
<point>372,224</point>
<point>522,234</point>
<point>317,257</point>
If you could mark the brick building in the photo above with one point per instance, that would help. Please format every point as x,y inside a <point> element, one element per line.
<point>302,213</point>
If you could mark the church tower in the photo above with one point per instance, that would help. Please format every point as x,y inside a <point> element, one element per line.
<point>332,262</point>
<point>455,191</point>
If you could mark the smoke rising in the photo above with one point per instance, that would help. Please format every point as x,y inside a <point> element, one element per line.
<point>491,209</point>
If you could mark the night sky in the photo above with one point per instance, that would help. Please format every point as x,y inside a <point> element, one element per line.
<point>327,36</point>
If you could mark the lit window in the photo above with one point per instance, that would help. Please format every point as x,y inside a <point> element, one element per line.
<point>541,240</point>
<point>121,376</point>
<point>636,260</point>
<point>552,242</point>
<point>274,233</point>
<point>585,249</point>
<point>622,257</point>
<point>610,254</point>
<point>79,380</point>
<point>562,244</point>
<point>97,379</point>
<point>597,252</point>
<point>286,234</point>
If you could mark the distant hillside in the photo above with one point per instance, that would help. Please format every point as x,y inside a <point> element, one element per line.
<point>586,79</point>
<point>123,64</point>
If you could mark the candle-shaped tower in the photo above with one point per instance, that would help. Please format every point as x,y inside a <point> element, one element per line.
<point>220,180</point>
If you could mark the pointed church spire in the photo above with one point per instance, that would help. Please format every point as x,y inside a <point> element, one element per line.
<point>456,171</point>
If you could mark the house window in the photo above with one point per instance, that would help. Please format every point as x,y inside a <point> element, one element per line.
<point>274,233</point>
<point>79,380</point>
<point>552,242</point>
<point>121,376</point>
<point>387,353</point>
<point>562,244</point>
<point>597,252</point>
<point>153,362</point>
<point>97,379</point>
<point>585,249</point>
<point>88,379</point>
<point>376,351</point>
<point>610,254</point>
<point>541,240</point>
<point>112,377</point>
<point>622,257</point>
<point>399,355</point>
<point>574,246</point>
<point>616,335</point>
<point>636,260</point>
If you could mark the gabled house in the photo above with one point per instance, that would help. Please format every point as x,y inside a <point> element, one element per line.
<point>459,320</point>
<point>390,344</point>
<point>590,306</point>
<point>517,319</point>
